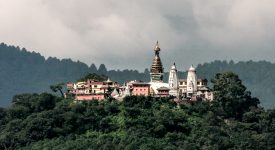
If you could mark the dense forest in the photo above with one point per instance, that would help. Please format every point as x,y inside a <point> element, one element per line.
<point>22,71</point>
<point>234,120</point>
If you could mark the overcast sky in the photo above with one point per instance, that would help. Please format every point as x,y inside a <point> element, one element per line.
<point>122,33</point>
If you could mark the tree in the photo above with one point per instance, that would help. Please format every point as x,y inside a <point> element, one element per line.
<point>109,92</point>
<point>231,99</point>
<point>94,76</point>
<point>3,114</point>
<point>102,69</point>
<point>146,71</point>
<point>58,88</point>
<point>93,68</point>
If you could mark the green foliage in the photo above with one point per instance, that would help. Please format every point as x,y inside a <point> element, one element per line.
<point>94,76</point>
<point>257,76</point>
<point>231,98</point>
<point>58,88</point>
<point>44,121</point>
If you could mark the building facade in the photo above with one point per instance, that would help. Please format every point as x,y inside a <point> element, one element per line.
<point>190,88</point>
<point>91,89</point>
<point>140,88</point>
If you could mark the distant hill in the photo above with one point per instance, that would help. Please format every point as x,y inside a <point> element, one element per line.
<point>259,77</point>
<point>28,72</point>
<point>22,71</point>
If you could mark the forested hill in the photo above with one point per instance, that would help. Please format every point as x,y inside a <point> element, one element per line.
<point>22,71</point>
<point>233,120</point>
<point>26,72</point>
<point>259,77</point>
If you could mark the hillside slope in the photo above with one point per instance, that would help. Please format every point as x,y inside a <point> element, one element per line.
<point>24,72</point>
<point>29,72</point>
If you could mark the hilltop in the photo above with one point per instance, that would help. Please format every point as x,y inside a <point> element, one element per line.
<point>233,120</point>
<point>22,71</point>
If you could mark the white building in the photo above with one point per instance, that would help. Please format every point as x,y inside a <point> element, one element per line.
<point>173,81</point>
<point>189,88</point>
<point>192,86</point>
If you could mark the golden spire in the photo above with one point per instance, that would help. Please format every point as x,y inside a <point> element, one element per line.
<point>157,46</point>
<point>156,68</point>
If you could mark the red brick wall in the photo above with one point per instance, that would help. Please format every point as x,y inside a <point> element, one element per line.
<point>137,90</point>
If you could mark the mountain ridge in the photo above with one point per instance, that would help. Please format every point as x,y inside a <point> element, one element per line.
<point>22,71</point>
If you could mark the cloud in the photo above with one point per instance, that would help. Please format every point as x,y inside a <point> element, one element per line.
<point>122,34</point>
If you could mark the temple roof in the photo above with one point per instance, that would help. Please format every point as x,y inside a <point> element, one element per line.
<point>140,83</point>
<point>156,85</point>
<point>109,80</point>
<point>163,89</point>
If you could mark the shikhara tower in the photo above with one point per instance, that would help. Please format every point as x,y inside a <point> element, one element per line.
<point>156,68</point>
<point>192,86</point>
<point>174,81</point>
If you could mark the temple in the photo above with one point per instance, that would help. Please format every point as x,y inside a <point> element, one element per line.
<point>189,89</point>
<point>192,88</point>
<point>173,81</point>
<point>156,68</point>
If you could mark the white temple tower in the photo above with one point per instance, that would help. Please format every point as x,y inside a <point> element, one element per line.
<point>173,81</point>
<point>192,87</point>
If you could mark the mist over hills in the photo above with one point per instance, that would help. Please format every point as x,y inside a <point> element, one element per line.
<point>22,71</point>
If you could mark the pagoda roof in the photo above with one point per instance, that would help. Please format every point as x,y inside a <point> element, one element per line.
<point>140,83</point>
<point>163,89</point>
